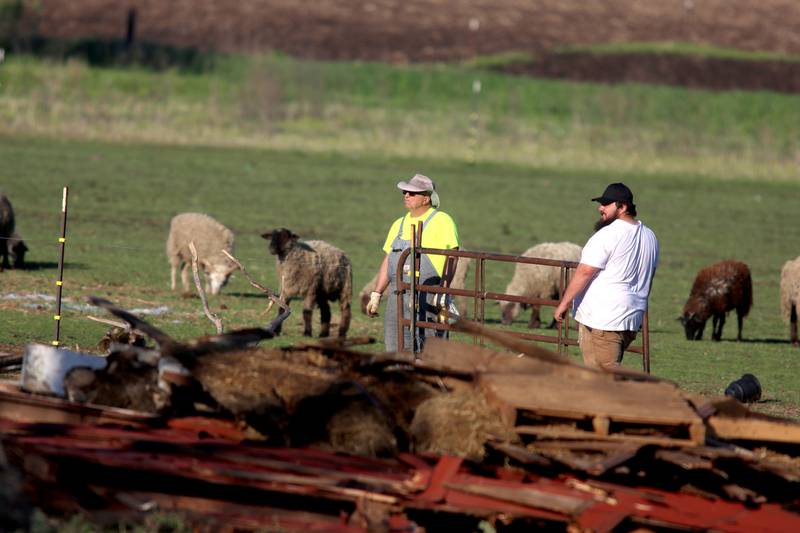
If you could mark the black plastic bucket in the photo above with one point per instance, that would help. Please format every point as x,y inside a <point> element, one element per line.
<point>746,389</point>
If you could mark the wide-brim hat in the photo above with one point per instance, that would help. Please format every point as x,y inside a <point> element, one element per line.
<point>418,183</point>
<point>615,192</point>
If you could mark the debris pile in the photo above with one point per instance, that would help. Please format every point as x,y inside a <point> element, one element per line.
<point>321,435</point>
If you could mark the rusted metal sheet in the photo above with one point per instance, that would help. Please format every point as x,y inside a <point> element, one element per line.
<point>251,485</point>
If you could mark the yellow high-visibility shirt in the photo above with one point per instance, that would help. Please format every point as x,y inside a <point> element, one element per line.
<point>439,232</point>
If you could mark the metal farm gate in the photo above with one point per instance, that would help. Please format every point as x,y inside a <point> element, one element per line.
<point>479,296</point>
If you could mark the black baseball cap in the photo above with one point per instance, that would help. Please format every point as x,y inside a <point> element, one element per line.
<point>616,192</point>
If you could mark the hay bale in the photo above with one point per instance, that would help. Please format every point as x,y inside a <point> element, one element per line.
<point>345,418</point>
<point>402,394</point>
<point>457,424</point>
<point>361,428</point>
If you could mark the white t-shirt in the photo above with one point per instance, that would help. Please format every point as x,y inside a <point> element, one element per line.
<point>616,299</point>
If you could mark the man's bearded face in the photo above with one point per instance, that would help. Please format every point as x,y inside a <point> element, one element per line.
<point>608,214</point>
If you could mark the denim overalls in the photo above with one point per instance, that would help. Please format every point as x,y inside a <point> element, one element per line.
<point>427,276</point>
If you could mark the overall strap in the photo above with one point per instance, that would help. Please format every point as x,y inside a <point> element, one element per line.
<point>429,217</point>
<point>403,221</point>
<point>400,231</point>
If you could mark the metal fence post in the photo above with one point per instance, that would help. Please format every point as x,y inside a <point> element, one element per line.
<point>60,281</point>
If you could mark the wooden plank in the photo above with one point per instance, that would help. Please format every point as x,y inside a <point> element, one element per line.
<point>601,425</point>
<point>452,356</point>
<point>595,395</point>
<point>582,445</point>
<point>521,454</point>
<point>592,462</point>
<point>754,429</point>
<point>685,460</point>
<point>565,432</point>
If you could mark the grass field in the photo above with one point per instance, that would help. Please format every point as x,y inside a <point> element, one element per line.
<point>136,148</point>
<point>413,111</point>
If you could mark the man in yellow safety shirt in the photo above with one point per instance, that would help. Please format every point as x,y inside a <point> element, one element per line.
<point>438,231</point>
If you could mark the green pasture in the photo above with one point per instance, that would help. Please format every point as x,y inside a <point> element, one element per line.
<point>122,197</point>
<point>432,111</point>
<point>318,147</point>
<point>679,48</point>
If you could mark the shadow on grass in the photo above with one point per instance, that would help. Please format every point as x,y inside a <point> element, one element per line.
<point>49,265</point>
<point>769,400</point>
<point>759,341</point>
<point>247,295</point>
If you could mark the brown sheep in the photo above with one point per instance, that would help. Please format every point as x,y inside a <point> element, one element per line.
<point>790,296</point>
<point>315,271</point>
<point>717,289</point>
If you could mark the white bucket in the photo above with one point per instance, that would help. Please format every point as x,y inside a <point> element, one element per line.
<point>45,367</point>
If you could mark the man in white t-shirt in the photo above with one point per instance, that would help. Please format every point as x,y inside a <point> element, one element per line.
<point>610,287</point>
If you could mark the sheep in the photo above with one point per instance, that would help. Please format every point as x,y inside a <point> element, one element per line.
<point>315,271</point>
<point>790,296</point>
<point>716,290</point>
<point>459,281</point>
<point>16,250</point>
<point>6,228</point>
<point>210,239</point>
<point>538,281</point>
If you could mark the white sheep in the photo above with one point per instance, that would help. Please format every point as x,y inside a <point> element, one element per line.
<point>790,296</point>
<point>210,239</point>
<point>538,281</point>
<point>316,271</point>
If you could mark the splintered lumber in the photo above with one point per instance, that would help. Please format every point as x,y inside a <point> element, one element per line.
<point>593,396</point>
<point>461,358</point>
<point>734,421</point>
<point>569,432</point>
<point>754,429</point>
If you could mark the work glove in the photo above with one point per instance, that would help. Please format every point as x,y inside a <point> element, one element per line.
<point>374,303</point>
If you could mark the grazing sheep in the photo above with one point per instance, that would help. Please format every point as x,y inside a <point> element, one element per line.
<point>315,271</point>
<point>459,282</point>
<point>716,290</point>
<point>538,281</point>
<point>16,250</point>
<point>6,228</point>
<point>790,296</point>
<point>210,239</point>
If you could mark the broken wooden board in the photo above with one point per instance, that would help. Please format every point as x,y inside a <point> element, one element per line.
<point>460,358</point>
<point>732,420</point>
<point>560,432</point>
<point>596,396</point>
<point>754,429</point>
